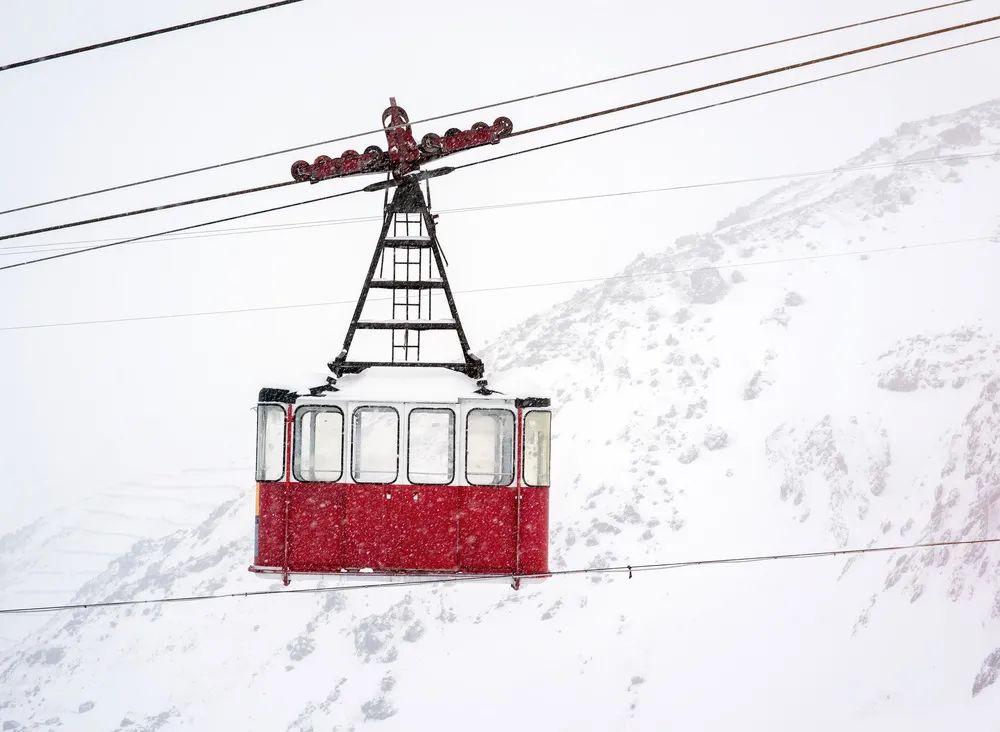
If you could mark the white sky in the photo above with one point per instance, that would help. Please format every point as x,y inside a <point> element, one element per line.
<point>93,406</point>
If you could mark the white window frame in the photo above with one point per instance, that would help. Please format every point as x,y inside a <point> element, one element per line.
<point>261,432</point>
<point>524,448</point>
<point>454,442</point>
<point>513,446</point>
<point>399,427</point>
<point>300,413</point>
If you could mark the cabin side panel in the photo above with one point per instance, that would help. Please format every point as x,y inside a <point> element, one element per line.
<point>367,529</point>
<point>424,525</point>
<point>534,545</point>
<point>487,529</point>
<point>270,525</point>
<point>316,515</point>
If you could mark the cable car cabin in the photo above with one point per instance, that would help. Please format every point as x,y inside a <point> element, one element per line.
<point>348,483</point>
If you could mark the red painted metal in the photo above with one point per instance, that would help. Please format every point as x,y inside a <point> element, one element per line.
<point>517,482</point>
<point>403,155</point>
<point>270,524</point>
<point>534,534</point>
<point>403,150</point>
<point>287,489</point>
<point>335,527</point>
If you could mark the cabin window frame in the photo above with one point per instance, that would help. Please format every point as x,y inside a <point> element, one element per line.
<point>300,412</point>
<point>399,426</point>
<point>513,447</point>
<point>454,440</point>
<point>524,448</point>
<point>261,440</point>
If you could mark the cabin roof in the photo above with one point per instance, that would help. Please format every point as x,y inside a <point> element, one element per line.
<point>408,385</point>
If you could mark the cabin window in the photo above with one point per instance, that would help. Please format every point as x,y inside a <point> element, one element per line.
<point>270,442</point>
<point>319,444</point>
<point>375,445</point>
<point>489,447</point>
<point>537,442</point>
<point>430,446</point>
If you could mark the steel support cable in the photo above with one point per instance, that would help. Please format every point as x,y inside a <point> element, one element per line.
<point>25,249</point>
<point>539,128</point>
<point>149,209</point>
<point>459,579</point>
<point>725,102</point>
<point>522,286</point>
<point>518,152</point>
<point>182,228</point>
<point>570,120</point>
<point>491,105</point>
<point>760,74</point>
<point>147,34</point>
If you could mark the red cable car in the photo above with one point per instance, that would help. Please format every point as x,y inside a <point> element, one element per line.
<point>403,470</point>
<point>432,484</point>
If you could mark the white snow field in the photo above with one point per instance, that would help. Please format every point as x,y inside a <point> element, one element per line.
<point>819,371</point>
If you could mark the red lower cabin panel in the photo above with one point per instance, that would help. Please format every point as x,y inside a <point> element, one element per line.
<point>270,543</point>
<point>534,530</point>
<point>487,529</point>
<point>315,526</point>
<point>337,526</point>
<point>393,527</point>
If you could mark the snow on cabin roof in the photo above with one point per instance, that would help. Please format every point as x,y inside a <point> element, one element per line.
<point>410,384</point>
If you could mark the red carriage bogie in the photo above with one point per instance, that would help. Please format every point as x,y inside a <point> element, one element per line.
<point>402,147</point>
<point>403,154</point>
<point>431,486</point>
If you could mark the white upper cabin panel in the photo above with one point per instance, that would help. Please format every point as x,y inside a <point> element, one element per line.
<point>414,426</point>
<point>407,385</point>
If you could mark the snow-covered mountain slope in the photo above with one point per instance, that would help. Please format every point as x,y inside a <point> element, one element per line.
<point>819,371</point>
<point>47,561</point>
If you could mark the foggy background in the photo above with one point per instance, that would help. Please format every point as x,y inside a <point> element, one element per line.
<point>93,406</point>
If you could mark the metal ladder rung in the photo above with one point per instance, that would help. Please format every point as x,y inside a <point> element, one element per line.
<point>407,242</point>
<point>407,324</point>
<point>408,284</point>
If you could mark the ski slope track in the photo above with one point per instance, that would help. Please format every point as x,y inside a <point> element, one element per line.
<point>710,403</point>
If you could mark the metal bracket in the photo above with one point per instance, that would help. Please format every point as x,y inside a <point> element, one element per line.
<point>418,176</point>
<point>403,154</point>
<point>410,295</point>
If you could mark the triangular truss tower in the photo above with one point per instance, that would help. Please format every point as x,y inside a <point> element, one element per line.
<point>408,263</point>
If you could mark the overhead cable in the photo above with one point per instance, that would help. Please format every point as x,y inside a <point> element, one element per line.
<point>181,228</point>
<point>25,249</point>
<point>571,120</point>
<point>725,102</point>
<point>147,34</point>
<point>520,286</point>
<point>470,110</point>
<point>149,209</point>
<point>759,75</point>
<point>512,154</point>
<point>630,569</point>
